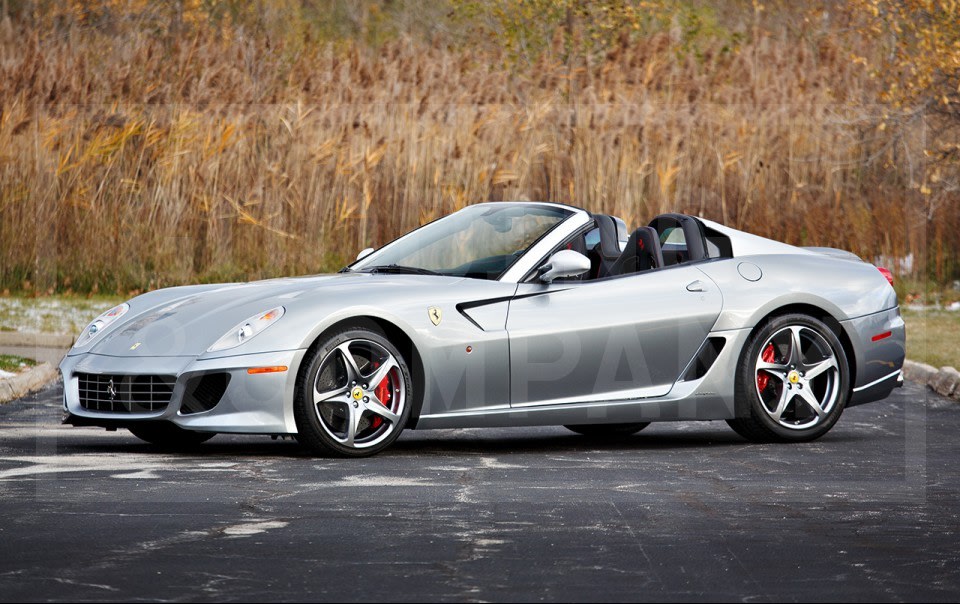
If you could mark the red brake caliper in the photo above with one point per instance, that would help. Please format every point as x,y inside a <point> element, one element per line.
<point>383,393</point>
<point>763,379</point>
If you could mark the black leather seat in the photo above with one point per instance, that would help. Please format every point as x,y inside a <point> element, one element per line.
<point>642,253</point>
<point>604,254</point>
<point>690,248</point>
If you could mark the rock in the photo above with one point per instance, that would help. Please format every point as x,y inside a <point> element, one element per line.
<point>946,382</point>
<point>919,372</point>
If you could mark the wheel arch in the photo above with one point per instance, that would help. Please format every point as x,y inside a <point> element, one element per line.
<point>399,338</point>
<point>812,310</point>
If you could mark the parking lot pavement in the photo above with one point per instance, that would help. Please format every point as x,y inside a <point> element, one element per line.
<point>677,512</point>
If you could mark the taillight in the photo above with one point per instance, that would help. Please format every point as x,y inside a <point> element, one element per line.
<point>886,273</point>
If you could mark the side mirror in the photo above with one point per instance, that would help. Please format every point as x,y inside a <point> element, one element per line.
<point>364,253</point>
<point>565,263</point>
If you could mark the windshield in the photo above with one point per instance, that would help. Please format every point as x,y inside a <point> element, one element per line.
<point>480,241</point>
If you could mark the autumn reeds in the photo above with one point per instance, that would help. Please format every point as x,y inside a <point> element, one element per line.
<point>130,160</point>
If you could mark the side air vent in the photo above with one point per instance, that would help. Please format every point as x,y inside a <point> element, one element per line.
<point>203,392</point>
<point>704,360</point>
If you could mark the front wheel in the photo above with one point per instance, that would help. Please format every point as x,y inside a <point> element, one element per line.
<point>353,398</point>
<point>794,376</point>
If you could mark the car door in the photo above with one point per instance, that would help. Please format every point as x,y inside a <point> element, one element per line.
<point>625,337</point>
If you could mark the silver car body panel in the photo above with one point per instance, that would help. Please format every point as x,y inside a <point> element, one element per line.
<point>573,341</point>
<point>510,352</point>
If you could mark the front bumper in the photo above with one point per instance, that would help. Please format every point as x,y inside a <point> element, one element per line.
<point>253,404</point>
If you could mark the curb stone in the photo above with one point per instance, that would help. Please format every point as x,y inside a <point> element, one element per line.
<point>948,380</point>
<point>6,392</point>
<point>944,381</point>
<point>919,372</point>
<point>38,340</point>
<point>27,382</point>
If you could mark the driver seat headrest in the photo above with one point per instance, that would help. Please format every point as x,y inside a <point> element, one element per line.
<point>642,253</point>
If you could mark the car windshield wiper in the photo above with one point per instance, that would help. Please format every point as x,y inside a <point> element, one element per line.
<point>400,269</point>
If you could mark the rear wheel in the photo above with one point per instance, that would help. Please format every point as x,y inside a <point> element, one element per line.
<point>353,398</point>
<point>608,430</point>
<point>169,436</point>
<point>794,377</point>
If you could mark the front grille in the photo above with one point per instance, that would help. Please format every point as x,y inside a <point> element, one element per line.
<point>125,393</point>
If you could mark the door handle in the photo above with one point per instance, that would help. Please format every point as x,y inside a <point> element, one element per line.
<point>696,286</point>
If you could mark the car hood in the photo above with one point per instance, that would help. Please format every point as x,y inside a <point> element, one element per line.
<point>188,322</point>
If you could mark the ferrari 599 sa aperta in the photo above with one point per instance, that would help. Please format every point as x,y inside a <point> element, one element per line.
<point>504,314</point>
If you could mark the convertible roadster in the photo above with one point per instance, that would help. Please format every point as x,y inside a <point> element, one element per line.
<point>503,314</point>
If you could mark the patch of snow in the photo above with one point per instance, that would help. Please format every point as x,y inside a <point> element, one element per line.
<point>142,475</point>
<point>49,315</point>
<point>380,481</point>
<point>898,265</point>
<point>125,465</point>
<point>6,374</point>
<point>253,528</point>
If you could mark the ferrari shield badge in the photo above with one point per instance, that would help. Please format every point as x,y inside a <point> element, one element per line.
<point>435,314</point>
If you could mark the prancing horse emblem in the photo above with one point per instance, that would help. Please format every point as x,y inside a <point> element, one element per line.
<point>112,390</point>
<point>436,315</point>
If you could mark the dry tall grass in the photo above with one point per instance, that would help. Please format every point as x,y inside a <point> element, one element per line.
<point>130,160</point>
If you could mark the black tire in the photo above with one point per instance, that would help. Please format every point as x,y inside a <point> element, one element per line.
<point>779,409</point>
<point>608,430</point>
<point>169,436</point>
<point>324,426</point>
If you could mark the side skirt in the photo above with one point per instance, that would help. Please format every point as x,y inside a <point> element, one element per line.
<point>652,410</point>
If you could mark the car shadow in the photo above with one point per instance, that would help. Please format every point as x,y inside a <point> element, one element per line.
<point>438,443</point>
<point>707,440</point>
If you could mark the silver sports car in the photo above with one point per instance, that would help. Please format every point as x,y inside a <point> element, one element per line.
<point>504,314</point>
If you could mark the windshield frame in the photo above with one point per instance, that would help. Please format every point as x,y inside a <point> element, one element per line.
<point>574,218</point>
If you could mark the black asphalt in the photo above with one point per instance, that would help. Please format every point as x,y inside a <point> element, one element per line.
<point>678,512</point>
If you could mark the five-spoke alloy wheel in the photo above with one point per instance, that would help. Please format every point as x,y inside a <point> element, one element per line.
<point>353,398</point>
<point>794,377</point>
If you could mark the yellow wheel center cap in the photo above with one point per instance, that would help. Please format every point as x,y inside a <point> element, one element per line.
<point>793,377</point>
<point>357,393</point>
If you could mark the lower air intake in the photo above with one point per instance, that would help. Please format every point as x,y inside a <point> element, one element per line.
<point>203,392</point>
<point>705,359</point>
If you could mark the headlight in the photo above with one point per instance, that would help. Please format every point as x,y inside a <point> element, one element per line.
<point>247,329</point>
<point>100,323</point>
